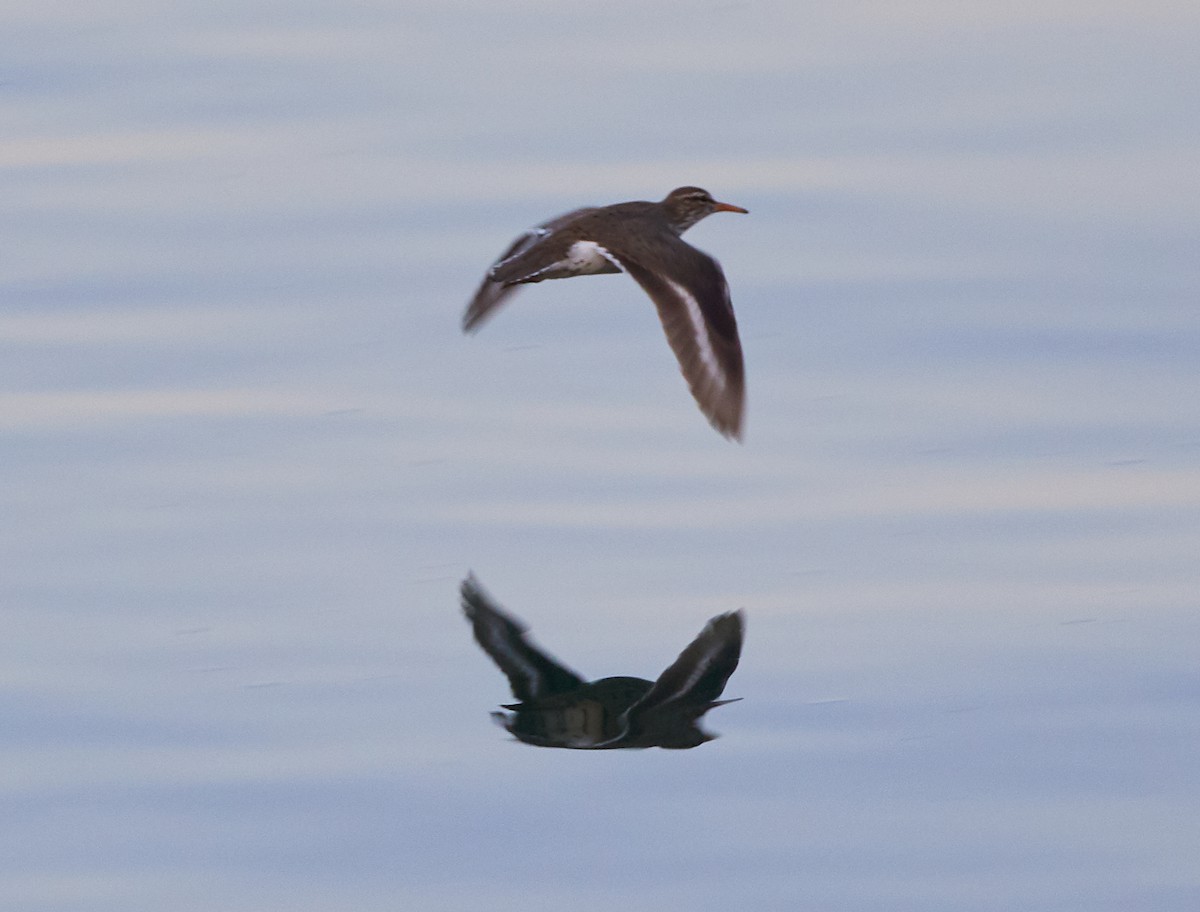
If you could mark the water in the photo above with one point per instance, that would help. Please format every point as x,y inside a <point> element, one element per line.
<point>249,457</point>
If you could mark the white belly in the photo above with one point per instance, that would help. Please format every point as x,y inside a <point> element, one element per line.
<point>588,257</point>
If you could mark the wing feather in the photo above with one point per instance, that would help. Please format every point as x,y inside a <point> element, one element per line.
<point>697,316</point>
<point>698,676</point>
<point>498,286</point>
<point>530,672</point>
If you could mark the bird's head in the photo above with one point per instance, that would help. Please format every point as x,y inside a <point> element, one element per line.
<point>687,205</point>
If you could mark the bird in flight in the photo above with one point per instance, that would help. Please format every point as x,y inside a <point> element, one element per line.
<point>686,285</point>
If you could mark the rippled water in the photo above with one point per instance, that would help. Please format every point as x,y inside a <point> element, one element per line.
<point>249,457</point>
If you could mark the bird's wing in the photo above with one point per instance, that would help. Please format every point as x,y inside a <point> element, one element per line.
<point>530,672</point>
<point>667,714</point>
<point>493,292</point>
<point>692,297</point>
<point>490,295</point>
<point>698,676</point>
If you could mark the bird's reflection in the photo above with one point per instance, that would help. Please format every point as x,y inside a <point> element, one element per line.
<point>558,708</point>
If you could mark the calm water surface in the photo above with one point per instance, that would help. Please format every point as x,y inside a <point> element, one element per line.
<point>249,457</point>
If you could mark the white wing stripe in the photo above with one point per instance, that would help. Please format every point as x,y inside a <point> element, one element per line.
<point>502,641</point>
<point>519,247</point>
<point>603,251</point>
<point>700,331</point>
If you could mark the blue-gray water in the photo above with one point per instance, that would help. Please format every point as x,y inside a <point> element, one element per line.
<point>248,456</point>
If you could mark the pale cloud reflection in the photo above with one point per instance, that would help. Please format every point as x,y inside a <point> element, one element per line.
<point>248,454</point>
<point>161,326</point>
<point>900,495</point>
<point>345,166</point>
<point>76,410</point>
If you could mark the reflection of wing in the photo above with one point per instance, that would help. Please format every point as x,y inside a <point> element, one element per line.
<point>490,295</point>
<point>530,672</point>
<point>667,715</point>
<point>692,297</point>
<point>700,673</point>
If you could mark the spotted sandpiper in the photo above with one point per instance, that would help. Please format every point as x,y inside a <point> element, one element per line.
<point>686,285</point>
<point>558,708</point>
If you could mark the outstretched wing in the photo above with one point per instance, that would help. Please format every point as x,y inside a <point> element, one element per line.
<point>698,676</point>
<point>530,672</point>
<point>491,294</point>
<point>692,297</point>
<point>668,714</point>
